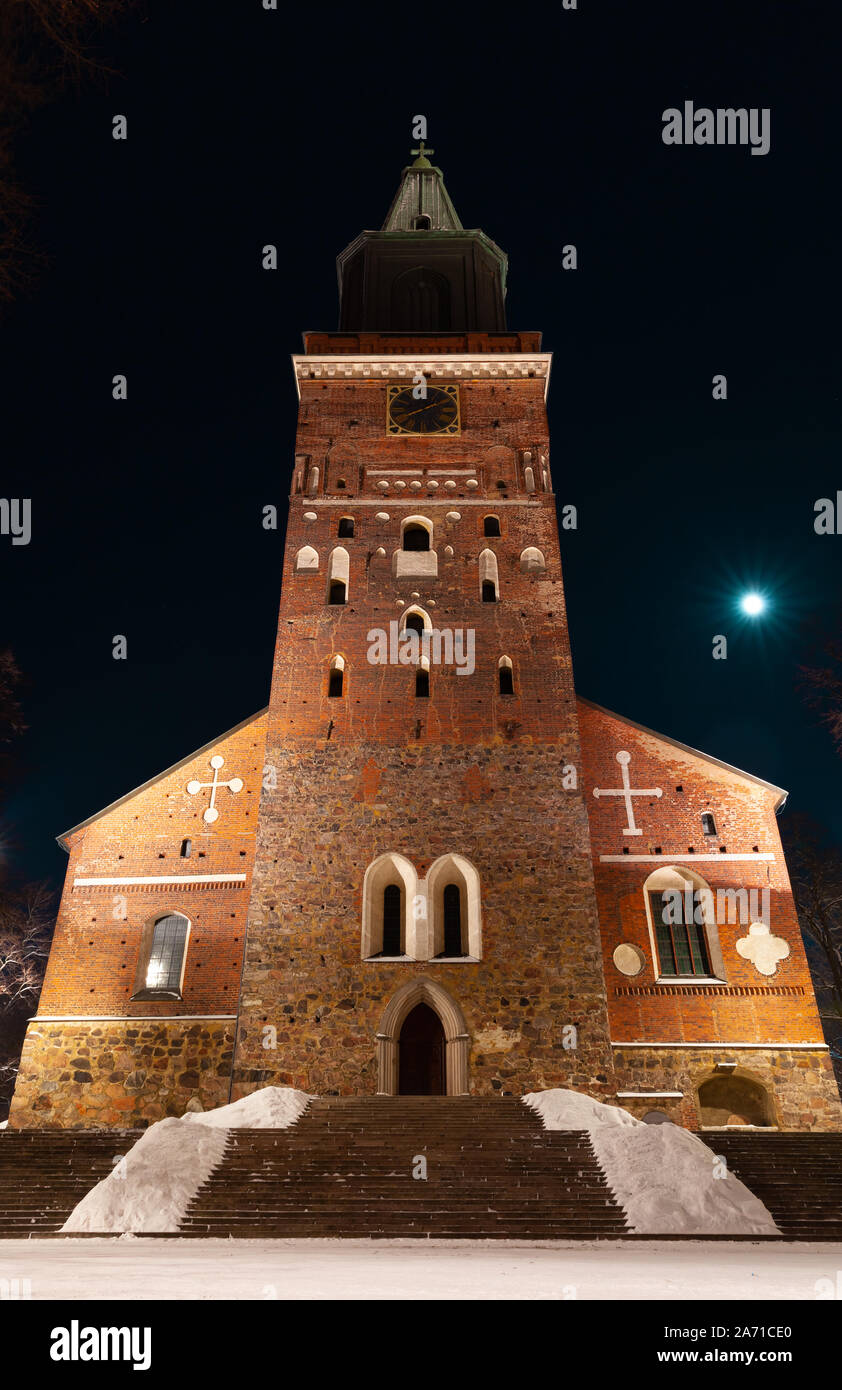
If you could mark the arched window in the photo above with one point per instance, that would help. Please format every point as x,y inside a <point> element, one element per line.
<point>306,559</point>
<point>529,479</point>
<point>415,536</point>
<point>313,485</point>
<point>388,927</point>
<point>186,849</point>
<point>336,678</point>
<point>162,956</point>
<point>506,676</point>
<point>453,905</point>
<point>416,619</point>
<point>346,526</point>
<point>682,925</point>
<point>532,561</point>
<point>489,586</point>
<point>337,576</point>
<point>452,921</point>
<point>491,526</point>
<point>423,223</point>
<point>392,920</point>
<point>420,301</point>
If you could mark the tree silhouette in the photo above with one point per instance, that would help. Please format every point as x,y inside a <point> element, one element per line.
<point>44,44</point>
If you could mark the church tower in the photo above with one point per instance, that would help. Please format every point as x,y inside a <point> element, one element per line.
<point>422,916</point>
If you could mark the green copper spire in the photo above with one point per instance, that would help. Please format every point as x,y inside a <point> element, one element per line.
<point>422,201</point>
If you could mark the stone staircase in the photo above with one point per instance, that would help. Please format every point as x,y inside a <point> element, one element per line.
<point>798,1177</point>
<point>346,1169</point>
<point>45,1172</point>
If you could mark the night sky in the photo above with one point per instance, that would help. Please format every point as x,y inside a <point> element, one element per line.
<point>248,127</point>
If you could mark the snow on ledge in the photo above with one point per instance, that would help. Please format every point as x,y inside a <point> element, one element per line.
<point>664,1177</point>
<point>152,1186</point>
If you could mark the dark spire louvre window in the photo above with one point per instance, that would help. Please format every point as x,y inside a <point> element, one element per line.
<point>682,944</point>
<point>392,921</point>
<point>167,955</point>
<point>491,526</point>
<point>489,593</point>
<point>452,921</point>
<point>346,526</point>
<point>337,591</point>
<point>422,684</point>
<point>507,685</point>
<point>334,685</point>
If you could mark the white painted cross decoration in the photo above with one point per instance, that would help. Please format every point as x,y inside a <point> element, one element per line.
<point>235,784</point>
<point>627,791</point>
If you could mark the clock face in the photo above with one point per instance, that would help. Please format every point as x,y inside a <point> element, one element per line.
<point>437,413</point>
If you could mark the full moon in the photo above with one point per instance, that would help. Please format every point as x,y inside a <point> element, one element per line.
<point>752,604</point>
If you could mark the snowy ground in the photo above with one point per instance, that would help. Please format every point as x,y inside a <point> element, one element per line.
<point>138,1268</point>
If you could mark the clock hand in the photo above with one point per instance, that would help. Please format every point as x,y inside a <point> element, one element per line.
<point>430,405</point>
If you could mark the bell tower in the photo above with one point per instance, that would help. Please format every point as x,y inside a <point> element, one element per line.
<point>422,845</point>
<point>422,271</point>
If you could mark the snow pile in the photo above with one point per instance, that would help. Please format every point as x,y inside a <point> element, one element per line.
<point>665,1178</point>
<point>151,1187</point>
<point>275,1107</point>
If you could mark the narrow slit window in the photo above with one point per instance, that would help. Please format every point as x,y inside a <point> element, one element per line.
<point>392,921</point>
<point>186,849</point>
<point>335,683</point>
<point>422,685</point>
<point>336,594</point>
<point>452,921</point>
<point>708,823</point>
<point>506,675</point>
<point>489,592</point>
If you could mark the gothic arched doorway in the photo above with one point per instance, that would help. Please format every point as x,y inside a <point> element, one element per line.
<point>421,1054</point>
<point>396,1043</point>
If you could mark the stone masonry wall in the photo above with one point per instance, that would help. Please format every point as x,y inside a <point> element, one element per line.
<point>120,1075</point>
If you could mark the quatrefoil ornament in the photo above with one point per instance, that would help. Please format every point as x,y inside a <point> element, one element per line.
<point>762,948</point>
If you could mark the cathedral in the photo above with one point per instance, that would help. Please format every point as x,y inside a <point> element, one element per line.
<point>429,867</point>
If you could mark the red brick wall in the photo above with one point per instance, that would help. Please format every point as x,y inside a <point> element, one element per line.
<point>754,1007</point>
<point>94,960</point>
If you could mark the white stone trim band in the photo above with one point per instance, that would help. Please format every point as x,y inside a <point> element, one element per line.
<point>444,365</point>
<point>732,1046</point>
<point>129,1018</point>
<point>649,1095</point>
<point>159,878</point>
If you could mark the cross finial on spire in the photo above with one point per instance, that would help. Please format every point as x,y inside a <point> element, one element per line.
<point>422,153</point>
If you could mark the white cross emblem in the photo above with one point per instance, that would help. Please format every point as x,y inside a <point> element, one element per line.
<point>234,785</point>
<point>627,792</point>
<point>762,948</point>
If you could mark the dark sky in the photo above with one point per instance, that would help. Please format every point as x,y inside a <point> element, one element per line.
<point>247,127</point>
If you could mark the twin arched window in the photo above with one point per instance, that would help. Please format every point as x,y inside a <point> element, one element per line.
<point>438,917</point>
